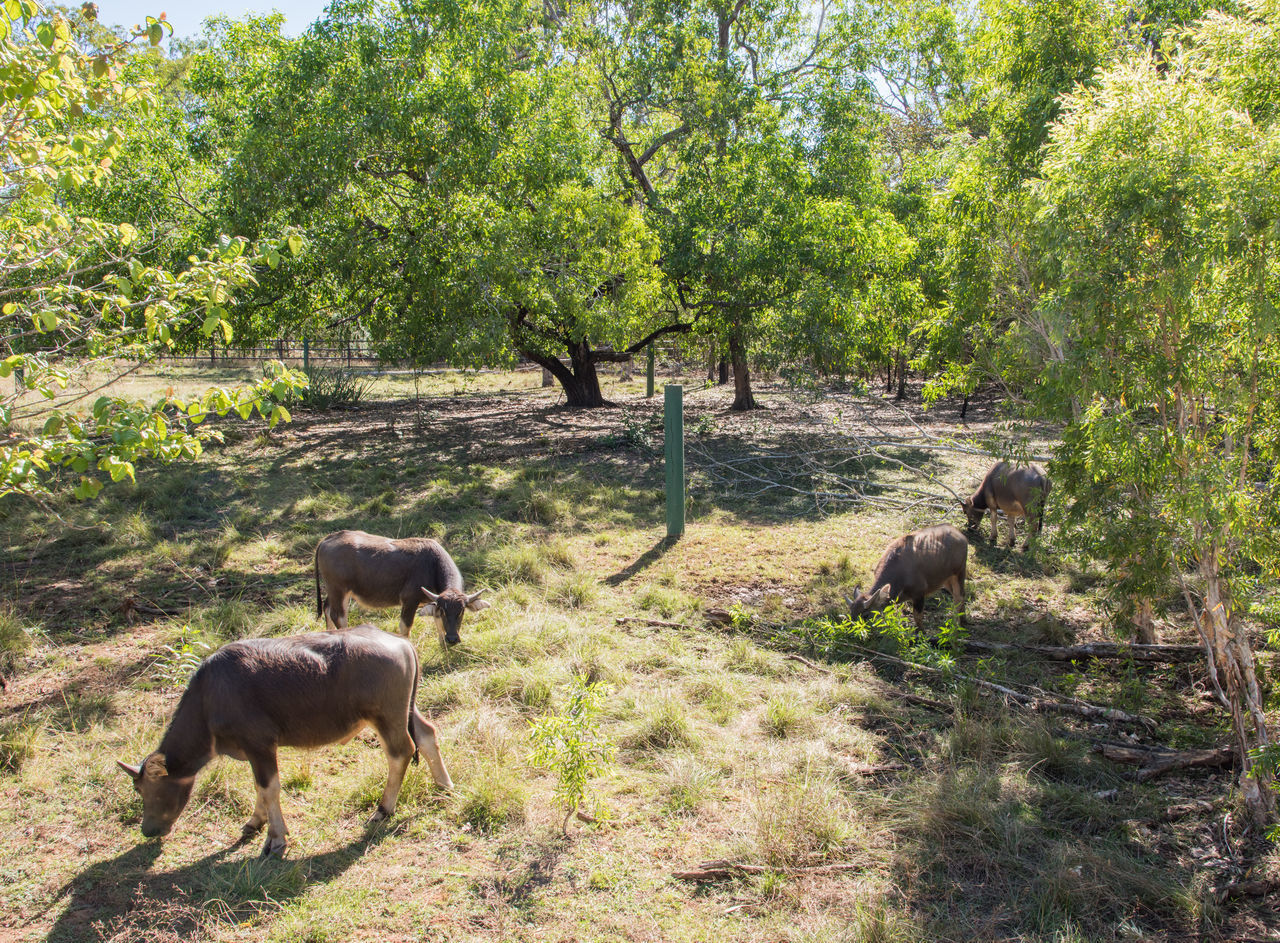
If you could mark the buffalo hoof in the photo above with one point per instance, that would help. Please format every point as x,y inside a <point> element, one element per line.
<point>379,815</point>
<point>250,829</point>
<point>274,848</point>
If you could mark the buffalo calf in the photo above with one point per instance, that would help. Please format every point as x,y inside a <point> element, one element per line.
<point>914,567</point>
<point>380,572</point>
<point>1018,492</point>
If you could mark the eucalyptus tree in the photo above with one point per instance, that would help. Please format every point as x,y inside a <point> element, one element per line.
<point>457,198</point>
<point>81,294</point>
<point>1160,214</point>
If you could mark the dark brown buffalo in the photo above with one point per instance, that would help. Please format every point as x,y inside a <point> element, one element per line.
<point>253,696</point>
<point>914,567</point>
<point>380,572</point>
<point>1018,492</point>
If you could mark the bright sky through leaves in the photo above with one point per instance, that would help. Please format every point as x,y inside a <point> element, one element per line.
<point>188,15</point>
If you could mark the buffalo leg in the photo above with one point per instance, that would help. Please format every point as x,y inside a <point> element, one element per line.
<point>917,613</point>
<point>424,738</point>
<point>995,525</point>
<point>1012,516</point>
<point>955,586</point>
<point>399,749</point>
<point>408,609</point>
<point>1033,530</point>
<point>266,776</point>
<point>259,817</point>
<point>335,610</point>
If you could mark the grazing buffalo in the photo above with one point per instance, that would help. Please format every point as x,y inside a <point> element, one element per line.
<point>1019,492</point>
<point>255,695</point>
<point>916,566</point>
<point>381,572</point>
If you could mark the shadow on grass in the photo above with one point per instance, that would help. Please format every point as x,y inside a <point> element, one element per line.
<point>123,899</point>
<point>642,562</point>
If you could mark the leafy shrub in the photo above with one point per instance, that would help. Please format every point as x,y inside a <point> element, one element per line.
<point>572,745</point>
<point>330,388</point>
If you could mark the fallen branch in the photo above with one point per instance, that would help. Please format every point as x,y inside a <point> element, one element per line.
<point>1255,888</point>
<point>898,695</point>
<point>1144,653</point>
<point>805,661</point>
<point>1182,809</point>
<point>1156,761</point>
<point>722,870</point>
<point>623,620</point>
<point>872,769</point>
<point>1035,699</point>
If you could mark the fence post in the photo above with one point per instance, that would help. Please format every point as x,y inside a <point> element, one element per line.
<point>648,375</point>
<point>306,352</point>
<point>673,446</point>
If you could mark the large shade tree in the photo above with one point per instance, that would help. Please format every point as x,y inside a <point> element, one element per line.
<point>457,197</point>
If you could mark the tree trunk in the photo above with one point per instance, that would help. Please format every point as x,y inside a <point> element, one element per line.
<point>711,361</point>
<point>724,371</point>
<point>547,378</point>
<point>902,376</point>
<point>1144,623</point>
<point>1235,681</point>
<point>964,407</point>
<point>742,396</point>
<point>580,381</point>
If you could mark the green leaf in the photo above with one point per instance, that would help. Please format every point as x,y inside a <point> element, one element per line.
<point>88,489</point>
<point>295,245</point>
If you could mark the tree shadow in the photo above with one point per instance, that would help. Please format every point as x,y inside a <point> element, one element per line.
<point>517,886</point>
<point>642,562</point>
<point>124,899</point>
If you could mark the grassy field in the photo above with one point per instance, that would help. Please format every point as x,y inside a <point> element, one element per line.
<point>865,813</point>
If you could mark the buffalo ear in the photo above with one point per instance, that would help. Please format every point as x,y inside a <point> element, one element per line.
<point>478,605</point>
<point>133,771</point>
<point>881,596</point>
<point>153,767</point>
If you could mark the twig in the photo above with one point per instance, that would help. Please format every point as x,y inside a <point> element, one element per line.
<point>805,661</point>
<point>623,620</point>
<point>720,870</point>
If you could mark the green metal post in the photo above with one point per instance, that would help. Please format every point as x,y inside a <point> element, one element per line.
<point>306,352</point>
<point>673,442</point>
<point>648,376</point>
